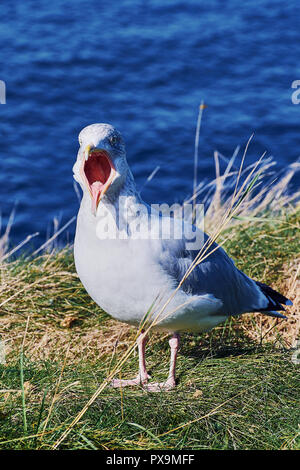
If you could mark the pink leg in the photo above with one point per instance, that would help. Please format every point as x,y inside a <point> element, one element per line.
<point>170,383</point>
<point>143,376</point>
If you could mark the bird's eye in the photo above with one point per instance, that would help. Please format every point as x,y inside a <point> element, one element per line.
<point>113,140</point>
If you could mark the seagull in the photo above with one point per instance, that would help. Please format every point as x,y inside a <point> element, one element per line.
<point>132,260</point>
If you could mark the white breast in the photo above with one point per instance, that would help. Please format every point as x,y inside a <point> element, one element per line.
<point>123,278</point>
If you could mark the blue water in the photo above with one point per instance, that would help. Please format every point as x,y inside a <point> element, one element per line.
<point>143,66</point>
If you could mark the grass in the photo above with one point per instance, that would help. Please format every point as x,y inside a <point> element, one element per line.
<point>237,385</point>
<point>246,399</point>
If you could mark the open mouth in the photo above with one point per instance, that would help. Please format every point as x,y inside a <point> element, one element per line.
<point>98,172</point>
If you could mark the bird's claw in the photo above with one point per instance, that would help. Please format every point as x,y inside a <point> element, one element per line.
<point>117,383</point>
<point>160,387</point>
<point>154,387</point>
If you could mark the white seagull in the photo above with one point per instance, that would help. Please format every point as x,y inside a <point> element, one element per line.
<point>132,265</point>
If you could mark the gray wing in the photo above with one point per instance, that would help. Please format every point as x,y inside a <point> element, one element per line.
<point>216,275</point>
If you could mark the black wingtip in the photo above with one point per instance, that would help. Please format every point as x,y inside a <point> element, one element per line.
<point>276,300</point>
<point>275,314</point>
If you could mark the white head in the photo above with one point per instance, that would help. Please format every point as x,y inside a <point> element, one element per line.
<point>101,165</point>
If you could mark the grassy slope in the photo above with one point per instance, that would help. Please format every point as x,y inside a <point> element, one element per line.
<point>241,393</point>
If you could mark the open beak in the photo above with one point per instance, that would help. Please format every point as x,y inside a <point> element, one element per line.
<point>98,171</point>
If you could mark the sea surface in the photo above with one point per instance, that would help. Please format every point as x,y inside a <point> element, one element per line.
<point>143,66</point>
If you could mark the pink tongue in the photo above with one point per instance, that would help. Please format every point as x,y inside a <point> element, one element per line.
<point>96,190</point>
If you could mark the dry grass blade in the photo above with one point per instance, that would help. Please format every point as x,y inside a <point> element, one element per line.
<point>210,413</point>
<point>56,234</point>
<point>56,389</point>
<point>196,152</point>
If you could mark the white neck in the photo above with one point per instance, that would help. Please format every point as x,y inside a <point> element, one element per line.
<point>115,209</point>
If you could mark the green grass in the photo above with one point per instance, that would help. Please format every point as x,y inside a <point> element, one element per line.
<point>261,249</point>
<point>257,393</point>
<point>234,391</point>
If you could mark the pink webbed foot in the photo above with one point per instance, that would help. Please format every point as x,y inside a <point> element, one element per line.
<point>161,387</point>
<point>170,382</point>
<point>117,383</point>
<point>142,377</point>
